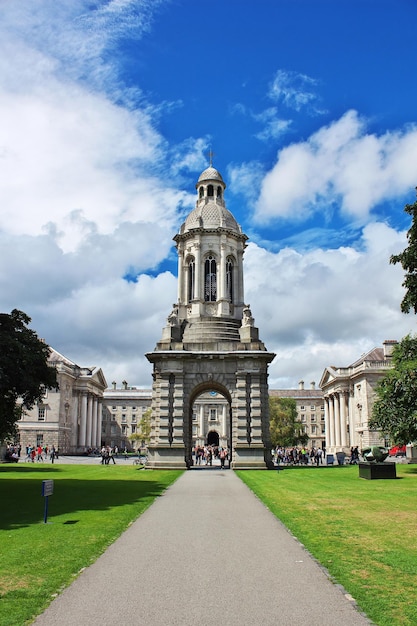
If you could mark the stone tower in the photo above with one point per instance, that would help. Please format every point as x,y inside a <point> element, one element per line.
<point>210,342</point>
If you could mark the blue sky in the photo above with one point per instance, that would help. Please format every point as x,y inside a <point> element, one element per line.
<point>108,112</point>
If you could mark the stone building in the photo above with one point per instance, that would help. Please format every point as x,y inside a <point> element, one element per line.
<point>123,410</point>
<point>68,417</point>
<point>349,395</point>
<point>310,411</point>
<point>210,342</point>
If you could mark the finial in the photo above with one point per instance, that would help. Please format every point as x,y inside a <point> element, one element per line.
<point>211,155</point>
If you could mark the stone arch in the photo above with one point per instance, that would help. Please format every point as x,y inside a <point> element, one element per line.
<point>205,385</point>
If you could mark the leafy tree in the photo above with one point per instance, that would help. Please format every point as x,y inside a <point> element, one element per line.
<point>395,409</point>
<point>284,428</point>
<point>144,428</point>
<point>408,259</point>
<point>24,370</point>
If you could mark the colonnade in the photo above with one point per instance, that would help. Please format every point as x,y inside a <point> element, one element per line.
<point>90,417</point>
<point>336,411</point>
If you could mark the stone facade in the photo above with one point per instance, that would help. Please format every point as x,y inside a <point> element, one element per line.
<point>210,342</point>
<point>123,410</point>
<point>68,417</point>
<point>349,395</point>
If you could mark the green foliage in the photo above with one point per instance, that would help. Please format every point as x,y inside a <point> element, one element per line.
<point>143,429</point>
<point>284,428</point>
<point>395,410</point>
<point>408,259</point>
<point>24,370</point>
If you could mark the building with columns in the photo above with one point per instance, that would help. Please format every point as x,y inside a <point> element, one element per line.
<point>69,417</point>
<point>349,395</point>
<point>210,343</point>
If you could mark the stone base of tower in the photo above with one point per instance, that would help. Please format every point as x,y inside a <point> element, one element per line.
<point>169,457</point>
<point>256,457</point>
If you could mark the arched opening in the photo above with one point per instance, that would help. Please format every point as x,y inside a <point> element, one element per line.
<point>209,441</point>
<point>210,191</point>
<point>229,279</point>
<point>210,280</point>
<point>201,192</point>
<point>191,279</point>
<point>219,192</point>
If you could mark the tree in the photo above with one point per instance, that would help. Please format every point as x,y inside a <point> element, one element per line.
<point>24,370</point>
<point>408,259</point>
<point>395,409</point>
<point>284,428</point>
<point>144,429</point>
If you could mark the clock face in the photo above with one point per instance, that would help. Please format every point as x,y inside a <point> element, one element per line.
<point>213,393</point>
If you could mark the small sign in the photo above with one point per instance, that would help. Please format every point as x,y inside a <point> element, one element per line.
<point>47,487</point>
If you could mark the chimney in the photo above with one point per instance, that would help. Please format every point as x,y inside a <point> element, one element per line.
<point>313,384</point>
<point>124,383</point>
<point>389,345</point>
<point>301,384</point>
<point>114,385</point>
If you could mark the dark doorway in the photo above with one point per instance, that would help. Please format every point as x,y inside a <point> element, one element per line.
<point>213,438</point>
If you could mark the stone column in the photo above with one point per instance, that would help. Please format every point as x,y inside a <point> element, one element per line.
<point>182,279</point>
<point>89,419</point>
<point>199,273</point>
<point>99,422</point>
<point>343,429</point>
<point>201,421</point>
<point>94,423</point>
<point>83,421</point>
<point>74,422</point>
<point>224,421</point>
<point>222,273</point>
<point>331,422</point>
<point>327,422</point>
<point>337,420</point>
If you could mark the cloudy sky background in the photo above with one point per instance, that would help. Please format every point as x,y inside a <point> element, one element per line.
<point>108,110</point>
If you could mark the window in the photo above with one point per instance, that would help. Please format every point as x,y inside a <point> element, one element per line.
<point>210,190</point>
<point>201,192</point>
<point>229,280</point>
<point>195,431</point>
<point>191,280</point>
<point>113,429</point>
<point>313,407</point>
<point>219,192</point>
<point>41,414</point>
<point>302,407</point>
<point>303,417</point>
<point>313,429</point>
<point>322,417</point>
<point>133,418</point>
<point>124,429</point>
<point>113,417</point>
<point>213,415</point>
<point>114,408</point>
<point>323,430</point>
<point>124,417</point>
<point>123,408</point>
<point>313,417</point>
<point>133,429</point>
<point>194,416</point>
<point>210,280</point>
<point>39,440</point>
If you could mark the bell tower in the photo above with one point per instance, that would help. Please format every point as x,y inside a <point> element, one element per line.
<point>210,342</point>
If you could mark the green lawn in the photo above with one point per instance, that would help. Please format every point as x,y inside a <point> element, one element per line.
<point>362,531</point>
<point>90,507</point>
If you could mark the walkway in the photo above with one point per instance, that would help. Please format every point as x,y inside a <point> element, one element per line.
<point>207,552</point>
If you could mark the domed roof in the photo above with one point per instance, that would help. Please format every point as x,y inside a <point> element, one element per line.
<point>211,215</point>
<point>210,174</point>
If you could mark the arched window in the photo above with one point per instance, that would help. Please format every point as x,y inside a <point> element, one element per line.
<point>191,280</point>
<point>210,280</point>
<point>210,190</point>
<point>229,280</point>
<point>201,192</point>
<point>219,192</point>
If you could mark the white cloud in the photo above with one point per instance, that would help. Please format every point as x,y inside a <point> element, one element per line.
<point>339,163</point>
<point>326,306</point>
<point>294,90</point>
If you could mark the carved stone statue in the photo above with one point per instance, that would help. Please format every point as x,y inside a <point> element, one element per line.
<point>172,318</point>
<point>247,319</point>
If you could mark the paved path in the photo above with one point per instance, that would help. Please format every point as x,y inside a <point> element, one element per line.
<point>207,552</point>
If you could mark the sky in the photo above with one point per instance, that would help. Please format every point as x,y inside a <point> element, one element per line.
<point>108,112</point>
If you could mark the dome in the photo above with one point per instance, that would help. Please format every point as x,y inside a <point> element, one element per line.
<point>211,215</point>
<point>210,174</point>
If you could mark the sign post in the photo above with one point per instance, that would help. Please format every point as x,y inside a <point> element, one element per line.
<point>47,490</point>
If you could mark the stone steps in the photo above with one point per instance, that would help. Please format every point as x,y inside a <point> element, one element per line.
<point>211,329</point>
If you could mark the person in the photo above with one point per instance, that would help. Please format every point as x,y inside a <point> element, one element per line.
<point>53,454</point>
<point>354,456</point>
<point>111,456</point>
<point>223,455</point>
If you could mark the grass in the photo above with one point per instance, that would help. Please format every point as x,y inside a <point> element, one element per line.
<point>90,507</point>
<point>362,531</point>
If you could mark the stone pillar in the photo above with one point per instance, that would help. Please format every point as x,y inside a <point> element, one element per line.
<point>201,421</point>
<point>83,421</point>
<point>182,292</point>
<point>199,273</point>
<point>94,423</point>
<point>99,422</point>
<point>338,441</point>
<point>222,273</point>
<point>224,421</point>
<point>327,422</point>
<point>89,419</point>
<point>74,422</point>
<point>331,423</point>
<point>343,429</point>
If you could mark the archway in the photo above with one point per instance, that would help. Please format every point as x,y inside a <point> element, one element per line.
<point>209,420</point>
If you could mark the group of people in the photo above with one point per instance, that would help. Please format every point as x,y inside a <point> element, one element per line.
<point>40,453</point>
<point>299,456</point>
<point>108,454</point>
<point>204,455</point>
<point>12,453</point>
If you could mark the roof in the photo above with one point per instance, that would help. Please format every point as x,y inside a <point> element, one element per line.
<point>210,174</point>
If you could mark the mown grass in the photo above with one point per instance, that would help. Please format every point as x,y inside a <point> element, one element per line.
<point>90,507</point>
<point>362,531</point>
